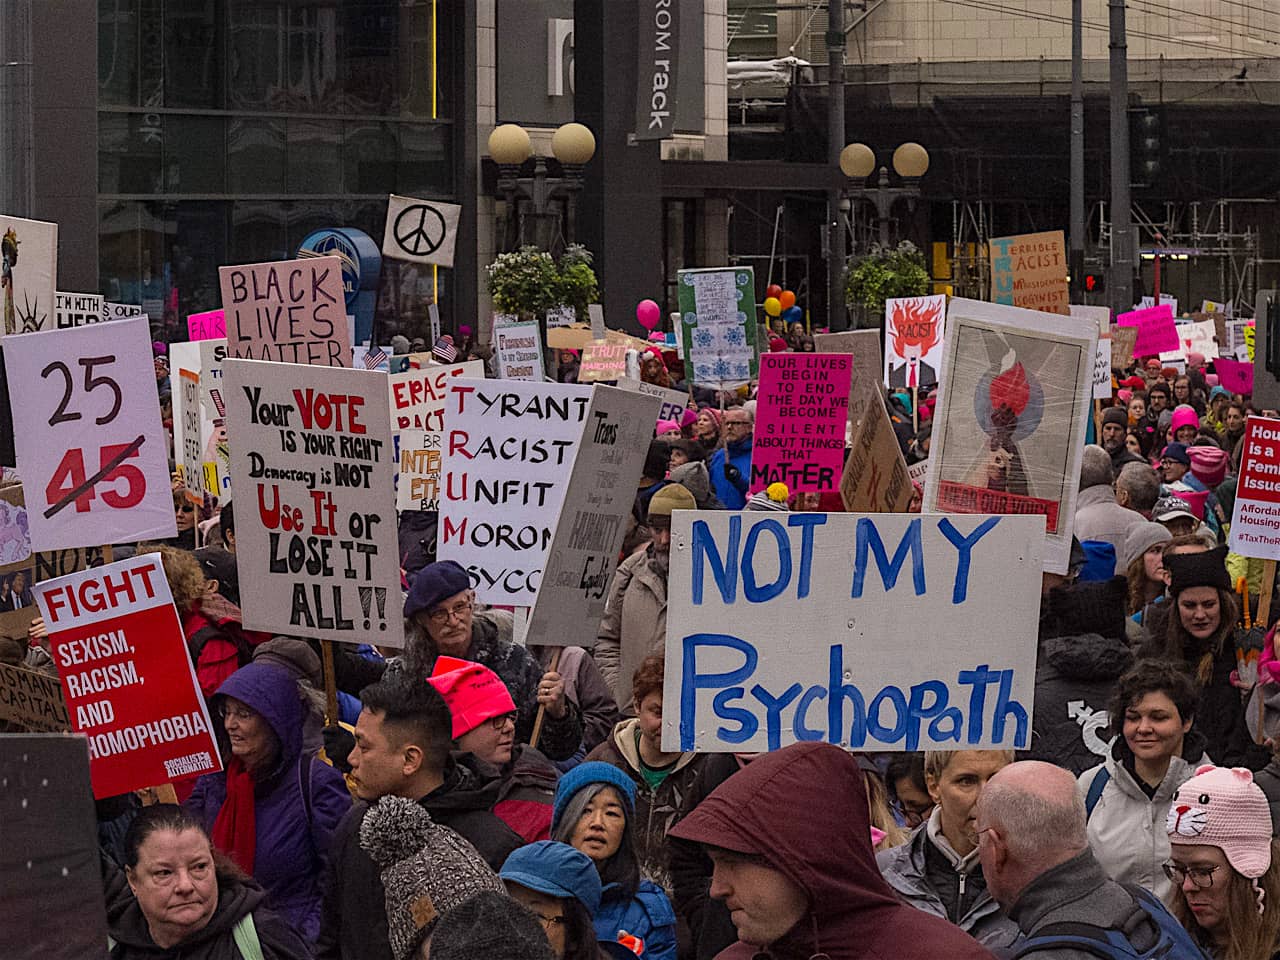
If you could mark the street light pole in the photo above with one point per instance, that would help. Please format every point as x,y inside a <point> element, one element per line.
<point>835,143</point>
<point>1122,245</point>
<point>1075,259</point>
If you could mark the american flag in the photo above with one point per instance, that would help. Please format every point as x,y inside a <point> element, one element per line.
<point>374,358</point>
<point>445,351</point>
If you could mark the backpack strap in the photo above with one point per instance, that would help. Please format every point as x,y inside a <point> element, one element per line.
<point>304,783</point>
<point>245,935</point>
<point>1078,936</point>
<point>1095,792</point>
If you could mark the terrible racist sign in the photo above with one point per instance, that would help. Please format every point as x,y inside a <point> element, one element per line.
<point>913,328</point>
<point>28,274</point>
<point>88,437</point>
<point>801,411</point>
<point>1030,271</point>
<point>509,448</point>
<point>593,519</point>
<point>740,677</point>
<point>418,399</point>
<point>290,311</point>
<point>1255,519</point>
<point>312,454</point>
<point>127,678</point>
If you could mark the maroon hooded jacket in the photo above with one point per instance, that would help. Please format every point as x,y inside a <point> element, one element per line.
<point>803,810</point>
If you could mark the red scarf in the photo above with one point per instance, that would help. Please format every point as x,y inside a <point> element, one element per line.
<point>234,831</point>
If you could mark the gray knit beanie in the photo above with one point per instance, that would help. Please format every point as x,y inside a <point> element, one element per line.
<point>490,927</point>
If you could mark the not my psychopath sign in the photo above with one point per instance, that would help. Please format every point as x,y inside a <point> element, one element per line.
<point>919,631</point>
<point>509,449</point>
<point>314,470</point>
<point>801,412</point>
<point>291,311</point>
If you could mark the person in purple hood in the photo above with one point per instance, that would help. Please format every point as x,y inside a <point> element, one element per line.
<point>274,807</point>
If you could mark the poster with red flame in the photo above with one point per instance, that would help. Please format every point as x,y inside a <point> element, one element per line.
<point>1015,391</point>
<point>913,328</point>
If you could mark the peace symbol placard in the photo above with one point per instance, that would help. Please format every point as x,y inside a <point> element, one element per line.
<point>420,231</point>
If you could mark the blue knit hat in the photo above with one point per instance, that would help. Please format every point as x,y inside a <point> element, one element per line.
<point>557,870</point>
<point>585,774</point>
<point>435,582</point>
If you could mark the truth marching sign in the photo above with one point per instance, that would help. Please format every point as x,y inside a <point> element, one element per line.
<point>417,420</point>
<point>1255,518</point>
<point>291,311</point>
<point>868,672</point>
<point>127,678</point>
<point>593,519</point>
<point>28,275</point>
<point>508,453</point>
<point>88,436</point>
<point>801,411</point>
<point>312,453</point>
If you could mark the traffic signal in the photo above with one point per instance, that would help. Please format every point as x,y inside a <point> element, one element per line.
<point>1094,283</point>
<point>1146,146</point>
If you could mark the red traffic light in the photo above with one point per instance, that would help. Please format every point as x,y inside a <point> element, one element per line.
<point>1094,283</point>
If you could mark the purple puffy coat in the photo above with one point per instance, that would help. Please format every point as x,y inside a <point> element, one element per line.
<point>293,836</point>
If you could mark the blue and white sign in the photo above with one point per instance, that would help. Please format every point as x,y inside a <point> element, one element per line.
<point>884,631</point>
<point>361,267</point>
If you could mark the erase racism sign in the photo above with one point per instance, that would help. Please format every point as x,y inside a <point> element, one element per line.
<point>417,397</point>
<point>127,678</point>
<point>919,631</point>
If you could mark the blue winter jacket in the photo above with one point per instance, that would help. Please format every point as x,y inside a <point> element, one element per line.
<point>733,498</point>
<point>647,915</point>
<point>293,835</point>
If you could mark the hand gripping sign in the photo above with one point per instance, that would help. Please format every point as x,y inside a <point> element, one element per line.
<point>128,680</point>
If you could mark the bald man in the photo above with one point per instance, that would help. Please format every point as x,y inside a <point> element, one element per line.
<point>1038,866</point>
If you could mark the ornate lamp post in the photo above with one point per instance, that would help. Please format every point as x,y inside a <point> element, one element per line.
<point>535,198</point>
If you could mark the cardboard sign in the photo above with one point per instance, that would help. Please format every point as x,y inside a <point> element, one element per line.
<point>1255,518</point>
<point>210,325</point>
<point>506,464</point>
<point>418,399</point>
<point>420,231</point>
<point>312,452</point>
<point>190,450</point>
<point>741,677</point>
<point>290,311</point>
<point>127,678</point>
<point>518,349</point>
<point>32,700</point>
<point>801,411</point>
<point>864,345</point>
<point>1156,330</point>
<point>77,309</point>
<point>88,435</point>
<point>28,275</point>
<point>875,478</point>
<point>1102,369</point>
<point>1123,340</point>
<point>599,497</point>
<point>718,325</point>
<point>913,328</point>
<point>1009,424</point>
<point>673,403</point>
<point>1030,271</point>
<point>1234,375</point>
<point>602,360</point>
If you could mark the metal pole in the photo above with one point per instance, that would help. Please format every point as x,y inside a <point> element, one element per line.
<point>1075,259</point>
<point>1122,245</point>
<point>835,143</point>
<point>17,126</point>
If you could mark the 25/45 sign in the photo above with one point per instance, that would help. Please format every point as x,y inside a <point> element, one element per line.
<point>90,445</point>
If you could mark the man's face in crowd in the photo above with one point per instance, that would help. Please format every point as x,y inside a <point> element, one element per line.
<point>1235,419</point>
<point>1172,470</point>
<point>448,624</point>
<point>737,425</point>
<point>379,765</point>
<point>1112,437</point>
<point>661,529</point>
<point>763,903</point>
<point>1158,400</point>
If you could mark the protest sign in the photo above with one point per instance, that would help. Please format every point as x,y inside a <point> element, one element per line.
<point>602,360</point>
<point>1102,369</point>
<point>50,859</point>
<point>1123,340</point>
<point>205,358</point>
<point>599,497</point>
<point>1210,306</point>
<point>918,473</point>
<point>875,478</point>
<point>506,463</point>
<point>120,311</point>
<point>190,449</point>
<point>673,402</point>
<point>77,309</point>
<point>1255,518</point>
<point>801,410</point>
<point>1197,337</point>
<point>868,364</point>
<point>1156,330</point>
<point>718,328</point>
<point>291,311</point>
<point>595,313</point>
<point>519,351</point>
<point>573,337</point>
<point>210,325</point>
<point>1009,425</point>
<point>420,231</point>
<point>1166,299</point>
<point>884,588</point>
<point>1235,336</point>
<point>561,316</point>
<point>1235,376</point>
<point>913,340</point>
<point>127,678</point>
<point>312,451</point>
<point>28,274</point>
<point>88,436</point>
<point>32,700</point>
<point>1030,271</point>
<point>1100,315</point>
<point>417,418</point>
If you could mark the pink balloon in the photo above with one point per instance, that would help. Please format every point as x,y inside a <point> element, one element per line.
<point>649,314</point>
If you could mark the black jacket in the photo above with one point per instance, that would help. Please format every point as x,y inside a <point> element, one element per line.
<point>353,922</point>
<point>1075,679</point>
<point>1268,780</point>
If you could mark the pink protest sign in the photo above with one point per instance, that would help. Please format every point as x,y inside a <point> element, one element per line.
<point>1234,375</point>
<point>1156,330</point>
<point>210,325</point>
<point>801,411</point>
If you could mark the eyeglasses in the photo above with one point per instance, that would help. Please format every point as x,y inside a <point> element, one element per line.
<point>458,610</point>
<point>549,923</point>
<point>737,423</point>
<point>239,713</point>
<point>187,508</point>
<point>502,720</point>
<point>1201,877</point>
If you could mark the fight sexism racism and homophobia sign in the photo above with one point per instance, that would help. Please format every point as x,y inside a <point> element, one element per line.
<point>509,449</point>
<point>291,311</point>
<point>920,631</point>
<point>128,680</point>
<point>314,470</point>
<point>88,437</point>
<point>801,411</point>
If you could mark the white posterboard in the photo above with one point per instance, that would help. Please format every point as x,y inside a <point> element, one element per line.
<point>28,274</point>
<point>417,398</point>
<point>519,351</point>
<point>871,631</point>
<point>673,402</point>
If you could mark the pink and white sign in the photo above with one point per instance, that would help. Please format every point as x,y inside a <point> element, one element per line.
<point>801,411</point>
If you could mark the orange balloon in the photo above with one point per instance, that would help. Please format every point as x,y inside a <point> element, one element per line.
<point>787,299</point>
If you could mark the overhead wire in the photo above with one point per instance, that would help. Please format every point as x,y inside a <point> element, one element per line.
<point>1163,9</point>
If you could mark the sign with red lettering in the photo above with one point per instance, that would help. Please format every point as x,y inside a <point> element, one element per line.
<point>88,437</point>
<point>801,411</point>
<point>417,421</point>
<point>127,678</point>
<point>1255,519</point>
<point>313,465</point>
<point>913,340</point>
<point>291,311</point>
